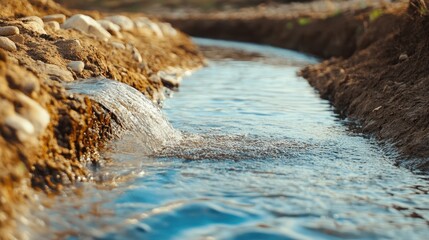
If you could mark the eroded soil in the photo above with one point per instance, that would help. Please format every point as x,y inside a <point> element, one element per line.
<point>32,82</point>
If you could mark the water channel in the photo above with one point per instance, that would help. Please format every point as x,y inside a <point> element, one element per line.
<point>252,152</point>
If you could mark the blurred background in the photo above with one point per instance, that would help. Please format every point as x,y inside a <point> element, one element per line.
<point>147,5</point>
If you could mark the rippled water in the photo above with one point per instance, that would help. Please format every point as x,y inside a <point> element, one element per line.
<point>261,157</point>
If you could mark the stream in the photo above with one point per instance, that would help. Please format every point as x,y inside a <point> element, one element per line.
<point>246,150</point>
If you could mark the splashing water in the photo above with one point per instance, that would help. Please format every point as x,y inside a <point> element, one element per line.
<point>136,115</point>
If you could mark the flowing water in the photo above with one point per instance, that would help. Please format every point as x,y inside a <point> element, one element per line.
<point>254,154</point>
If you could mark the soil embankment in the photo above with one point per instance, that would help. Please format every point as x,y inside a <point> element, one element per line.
<point>376,72</point>
<point>47,135</point>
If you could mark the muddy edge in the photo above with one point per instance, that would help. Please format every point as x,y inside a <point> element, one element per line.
<point>375,70</point>
<point>47,135</point>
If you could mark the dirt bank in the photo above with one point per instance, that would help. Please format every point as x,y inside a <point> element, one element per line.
<point>320,28</point>
<point>376,73</point>
<point>385,87</point>
<point>47,136</point>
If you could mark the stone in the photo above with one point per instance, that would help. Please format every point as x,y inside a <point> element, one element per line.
<point>17,39</point>
<point>118,45</point>
<point>60,18</point>
<point>7,44</point>
<point>169,80</point>
<point>136,55</point>
<point>22,127</point>
<point>32,19</point>
<point>125,23</point>
<point>54,72</point>
<point>109,26</point>
<point>34,113</point>
<point>403,57</point>
<point>76,66</point>
<point>52,25</point>
<point>143,22</point>
<point>87,25</point>
<point>167,29</point>
<point>34,24</point>
<point>70,43</point>
<point>9,31</point>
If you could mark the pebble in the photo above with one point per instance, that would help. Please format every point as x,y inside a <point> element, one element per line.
<point>34,113</point>
<point>403,57</point>
<point>32,19</point>
<point>125,23</point>
<point>34,23</point>
<point>87,25</point>
<point>7,44</point>
<point>17,39</point>
<point>118,45</point>
<point>53,25</point>
<point>136,54</point>
<point>70,43</point>
<point>167,29</point>
<point>9,31</point>
<point>109,26</point>
<point>76,66</point>
<point>60,18</point>
<point>169,80</point>
<point>22,127</point>
<point>143,22</point>
<point>55,72</point>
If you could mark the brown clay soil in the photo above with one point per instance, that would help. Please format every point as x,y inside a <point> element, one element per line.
<point>377,54</point>
<point>78,127</point>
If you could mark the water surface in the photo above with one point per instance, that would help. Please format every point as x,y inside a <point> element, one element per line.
<point>258,155</point>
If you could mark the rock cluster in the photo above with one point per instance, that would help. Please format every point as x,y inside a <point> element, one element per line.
<point>87,25</point>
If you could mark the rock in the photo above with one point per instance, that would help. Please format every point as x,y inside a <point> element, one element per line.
<point>118,45</point>
<point>34,23</point>
<point>60,18</point>
<point>87,25</point>
<point>71,49</point>
<point>9,31</point>
<point>72,43</point>
<point>32,19</point>
<point>55,72</point>
<point>53,25</point>
<point>169,80</point>
<point>136,55</point>
<point>143,22</point>
<point>76,66</point>
<point>33,112</point>
<point>7,44</point>
<point>125,23</point>
<point>109,26</point>
<point>17,39</point>
<point>403,57</point>
<point>22,127</point>
<point>167,29</point>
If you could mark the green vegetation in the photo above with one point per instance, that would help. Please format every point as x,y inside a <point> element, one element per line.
<point>375,14</point>
<point>304,21</point>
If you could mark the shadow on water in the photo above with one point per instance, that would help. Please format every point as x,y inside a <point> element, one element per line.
<point>274,162</point>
